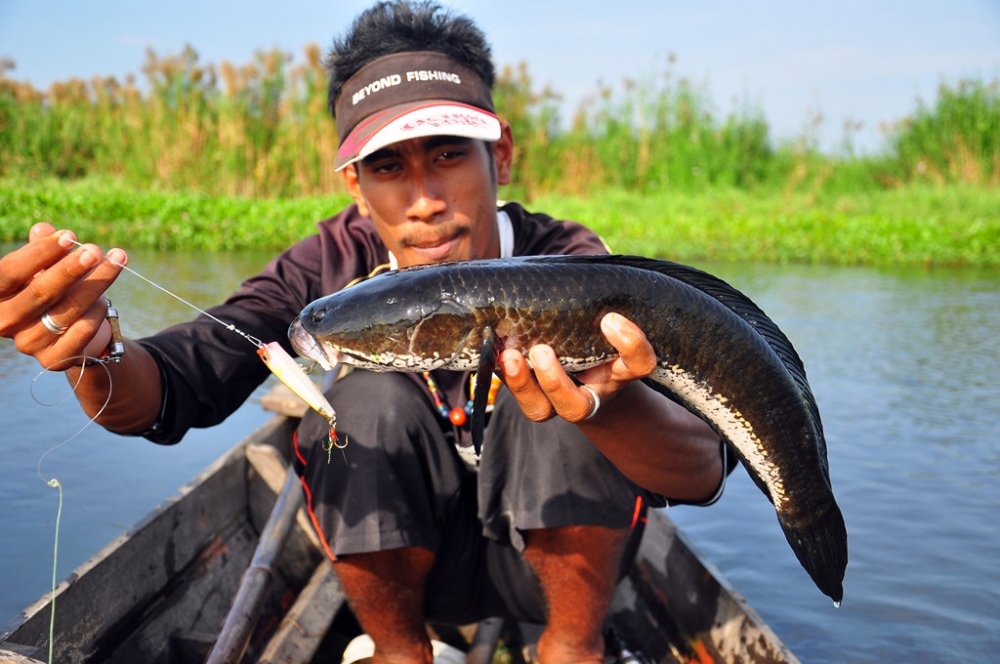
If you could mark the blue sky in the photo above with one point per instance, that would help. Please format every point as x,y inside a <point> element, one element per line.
<point>851,60</point>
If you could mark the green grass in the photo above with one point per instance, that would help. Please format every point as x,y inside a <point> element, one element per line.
<point>909,226</point>
<point>922,226</point>
<point>111,214</point>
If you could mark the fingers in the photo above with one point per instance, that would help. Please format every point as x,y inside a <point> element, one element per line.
<point>89,276</point>
<point>636,357</point>
<point>52,276</point>
<point>65,289</point>
<point>89,335</point>
<point>543,389</point>
<point>44,249</point>
<point>548,390</point>
<point>40,230</point>
<point>521,382</point>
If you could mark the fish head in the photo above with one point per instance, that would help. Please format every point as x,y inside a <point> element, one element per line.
<point>391,322</point>
<point>310,347</point>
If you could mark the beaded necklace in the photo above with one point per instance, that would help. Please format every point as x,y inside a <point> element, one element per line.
<point>459,416</point>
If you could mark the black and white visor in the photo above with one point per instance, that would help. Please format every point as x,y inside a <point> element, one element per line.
<point>411,95</point>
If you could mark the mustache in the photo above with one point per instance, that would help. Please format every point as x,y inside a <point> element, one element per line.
<point>439,233</point>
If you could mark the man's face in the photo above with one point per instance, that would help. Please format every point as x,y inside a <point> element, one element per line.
<point>433,199</point>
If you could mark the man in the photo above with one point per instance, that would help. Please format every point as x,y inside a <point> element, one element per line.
<point>418,529</point>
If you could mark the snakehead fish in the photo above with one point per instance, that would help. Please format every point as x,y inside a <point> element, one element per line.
<point>718,355</point>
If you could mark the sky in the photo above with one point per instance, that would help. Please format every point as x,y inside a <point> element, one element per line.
<point>859,62</point>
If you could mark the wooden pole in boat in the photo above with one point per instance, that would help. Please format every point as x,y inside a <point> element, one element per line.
<point>238,627</point>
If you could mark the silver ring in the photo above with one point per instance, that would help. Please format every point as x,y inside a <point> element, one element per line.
<point>597,401</point>
<point>51,325</point>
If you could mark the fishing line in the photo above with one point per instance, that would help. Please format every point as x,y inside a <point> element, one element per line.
<point>229,326</point>
<point>55,483</point>
<point>274,356</point>
<point>278,361</point>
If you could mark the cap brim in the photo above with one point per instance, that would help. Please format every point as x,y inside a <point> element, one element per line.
<point>416,120</point>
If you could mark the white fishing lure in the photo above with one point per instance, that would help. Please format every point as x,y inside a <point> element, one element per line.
<point>291,373</point>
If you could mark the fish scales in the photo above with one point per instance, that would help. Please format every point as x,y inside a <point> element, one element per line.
<point>717,354</point>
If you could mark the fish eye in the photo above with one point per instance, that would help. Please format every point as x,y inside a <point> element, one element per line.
<point>317,315</point>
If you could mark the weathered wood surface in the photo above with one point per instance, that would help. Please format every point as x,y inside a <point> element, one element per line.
<point>305,626</point>
<point>152,557</point>
<point>675,607</point>
<point>176,571</point>
<point>11,657</point>
<point>256,581</point>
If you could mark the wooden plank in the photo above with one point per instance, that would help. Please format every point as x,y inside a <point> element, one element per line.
<point>283,401</point>
<point>675,607</point>
<point>196,604</point>
<point>304,627</point>
<point>256,581</point>
<point>190,618</point>
<point>303,546</point>
<point>133,570</point>
<point>118,586</point>
<point>11,657</point>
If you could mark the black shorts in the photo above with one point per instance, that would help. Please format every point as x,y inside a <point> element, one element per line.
<point>400,483</point>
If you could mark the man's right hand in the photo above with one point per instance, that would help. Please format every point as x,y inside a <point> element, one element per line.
<point>53,275</point>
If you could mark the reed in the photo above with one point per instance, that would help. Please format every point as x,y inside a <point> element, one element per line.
<point>955,139</point>
<point>262,130</point>
<point>256,130</point>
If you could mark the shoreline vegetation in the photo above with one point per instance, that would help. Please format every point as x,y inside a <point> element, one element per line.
<point>240,157</point>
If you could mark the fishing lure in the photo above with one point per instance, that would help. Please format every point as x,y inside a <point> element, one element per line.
<point>277,360</point>
<point>292,374</point>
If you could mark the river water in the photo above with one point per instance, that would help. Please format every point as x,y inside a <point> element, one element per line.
<point>904,364</point>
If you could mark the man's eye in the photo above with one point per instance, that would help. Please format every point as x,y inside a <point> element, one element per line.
<point>385,167</point>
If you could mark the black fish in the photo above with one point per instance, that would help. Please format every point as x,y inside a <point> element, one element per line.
<point>718,354</point>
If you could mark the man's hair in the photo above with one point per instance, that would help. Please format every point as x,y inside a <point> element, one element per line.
<point>398,26</point>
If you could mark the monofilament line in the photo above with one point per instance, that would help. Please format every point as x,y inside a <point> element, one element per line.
<point>229,326</point>
<point>56,484</point>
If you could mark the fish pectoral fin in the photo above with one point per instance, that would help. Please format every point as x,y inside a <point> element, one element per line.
<point>484,377</point>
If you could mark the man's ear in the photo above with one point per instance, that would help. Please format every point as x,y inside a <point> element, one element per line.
<point>353,183</point>
<point>503,153</point>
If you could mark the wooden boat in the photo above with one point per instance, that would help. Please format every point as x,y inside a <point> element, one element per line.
<point>161,593</point>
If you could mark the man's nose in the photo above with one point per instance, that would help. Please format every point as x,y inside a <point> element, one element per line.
<point>427,199</point>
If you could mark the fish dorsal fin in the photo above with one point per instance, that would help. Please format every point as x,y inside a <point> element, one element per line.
<point>728,296</point>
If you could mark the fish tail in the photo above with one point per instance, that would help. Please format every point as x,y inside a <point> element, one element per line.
<point>821,547</point>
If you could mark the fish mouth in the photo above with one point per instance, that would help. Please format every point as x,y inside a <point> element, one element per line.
<point>310,347</point>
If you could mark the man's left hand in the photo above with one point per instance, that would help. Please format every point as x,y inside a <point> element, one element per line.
<point>549,391</point>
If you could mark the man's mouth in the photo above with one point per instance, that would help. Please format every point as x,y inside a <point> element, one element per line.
<point>436,249</point>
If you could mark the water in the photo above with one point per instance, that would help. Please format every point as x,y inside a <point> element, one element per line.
<point>904,365</point>
<point>110,482</point>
